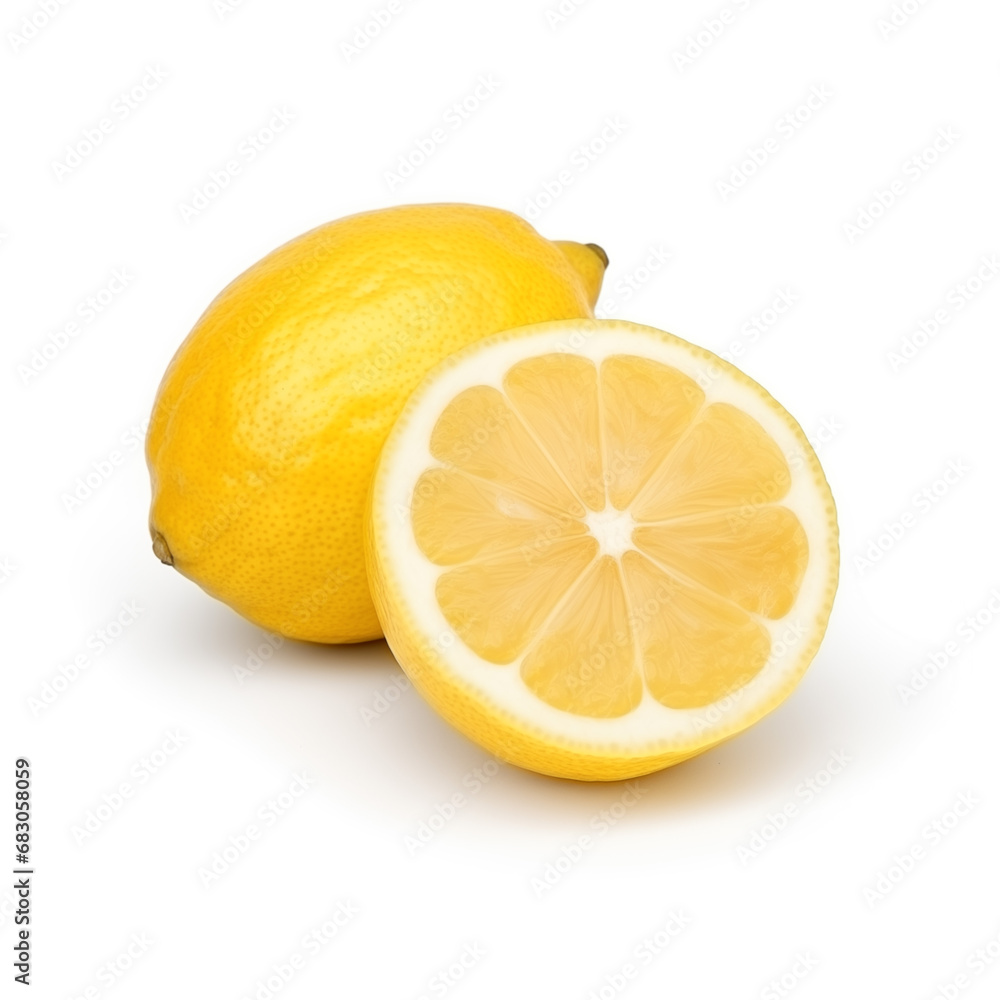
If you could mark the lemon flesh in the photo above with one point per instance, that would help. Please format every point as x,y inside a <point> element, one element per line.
<point>270,418</point>
<point>596,555</point>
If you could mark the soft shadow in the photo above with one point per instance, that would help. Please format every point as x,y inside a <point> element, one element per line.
<point>311,697</point>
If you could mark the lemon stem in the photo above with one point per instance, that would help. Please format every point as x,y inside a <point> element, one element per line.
<point>161,550</point>
<point>600,251</point>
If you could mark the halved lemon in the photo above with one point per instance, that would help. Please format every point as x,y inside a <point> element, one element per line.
<point>597,549</point>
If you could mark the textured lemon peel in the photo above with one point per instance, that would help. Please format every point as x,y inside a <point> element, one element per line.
<point>270,418</point>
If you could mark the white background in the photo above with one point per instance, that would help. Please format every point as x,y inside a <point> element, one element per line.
<point>885,434</point>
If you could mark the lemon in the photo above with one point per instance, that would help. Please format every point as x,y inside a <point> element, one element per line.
<point>269,419</point>
<point>598,550</point>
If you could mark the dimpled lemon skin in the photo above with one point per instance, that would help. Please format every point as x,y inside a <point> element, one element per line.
<point>270,418</point>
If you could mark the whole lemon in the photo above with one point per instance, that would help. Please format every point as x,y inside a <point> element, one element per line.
<point>270,418</point>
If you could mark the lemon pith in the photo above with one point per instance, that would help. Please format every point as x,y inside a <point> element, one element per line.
<point>592,559</point>
<point>270,417</point>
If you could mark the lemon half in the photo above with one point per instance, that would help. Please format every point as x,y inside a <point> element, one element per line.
<point>598,550</point>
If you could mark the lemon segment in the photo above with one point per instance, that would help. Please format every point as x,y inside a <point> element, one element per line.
<point>754,558</point>
<point>589,562</point>
<point>556,397</point>
<point>457,517</point>
<point>584,661</point>
<point>480,434</point>
<point>726,461</point>
<point>696,648</point>
<point>647,407</point>
<point>497,606</point>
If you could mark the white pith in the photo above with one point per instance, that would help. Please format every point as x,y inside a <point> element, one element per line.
<point>612,529</point>
<point>412,576</point>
